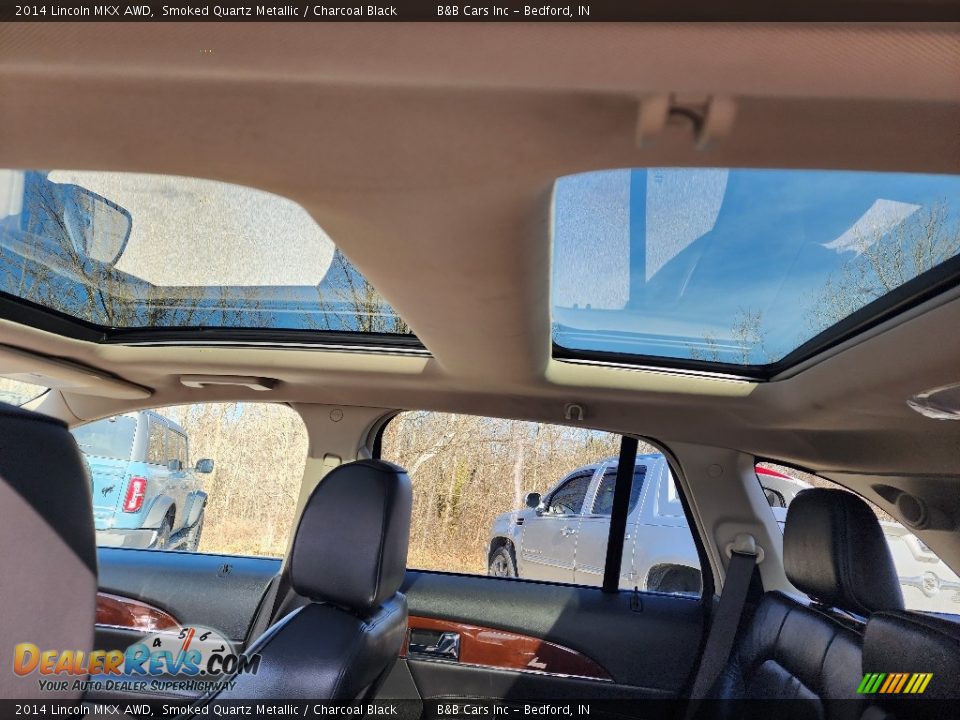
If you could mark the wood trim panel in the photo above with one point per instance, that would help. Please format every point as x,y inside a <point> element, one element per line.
<point>129,614</point>
<point>489,647</point>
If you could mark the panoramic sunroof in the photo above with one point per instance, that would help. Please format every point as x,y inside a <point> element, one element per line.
<point>129,251</point>
<point>735,266</point>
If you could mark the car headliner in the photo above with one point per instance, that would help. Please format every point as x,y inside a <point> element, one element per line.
<point>430,156</point>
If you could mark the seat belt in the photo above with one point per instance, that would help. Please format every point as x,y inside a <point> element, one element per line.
<point>268,607</point>
<point>723,629</point>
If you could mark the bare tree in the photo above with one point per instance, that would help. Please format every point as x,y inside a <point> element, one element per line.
<point>885,260</point>
<point>747,340</point>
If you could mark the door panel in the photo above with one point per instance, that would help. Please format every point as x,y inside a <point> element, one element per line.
<point>634,645</point>
<point>647,644</point>
<point>217,591</point>
<point>591,554</point>
<point>435,639</point>
<point>547,547</point>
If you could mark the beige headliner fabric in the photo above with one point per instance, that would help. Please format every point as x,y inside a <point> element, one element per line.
<point>428,156</point>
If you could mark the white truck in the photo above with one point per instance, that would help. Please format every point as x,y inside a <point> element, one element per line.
<point>562,536</point>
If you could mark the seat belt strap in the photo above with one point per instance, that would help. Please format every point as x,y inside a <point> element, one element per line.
<point>268,608</point>
<point>723,629</point>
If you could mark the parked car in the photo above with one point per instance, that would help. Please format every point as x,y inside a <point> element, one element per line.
<point>145,495</point>
<point>563,536</point>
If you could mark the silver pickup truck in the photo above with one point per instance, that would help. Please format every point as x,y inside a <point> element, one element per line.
<point>562,536</point>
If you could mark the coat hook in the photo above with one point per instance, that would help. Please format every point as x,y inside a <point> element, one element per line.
<point>574,412</point>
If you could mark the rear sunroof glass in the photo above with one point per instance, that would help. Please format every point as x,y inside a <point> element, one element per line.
<point>123,250</point>
<point>732,265</point>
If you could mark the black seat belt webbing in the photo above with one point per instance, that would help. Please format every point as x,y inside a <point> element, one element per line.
<point>723,629</point>
<point>268,607</point>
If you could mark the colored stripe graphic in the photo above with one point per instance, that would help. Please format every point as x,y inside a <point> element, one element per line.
<point>894,683</point>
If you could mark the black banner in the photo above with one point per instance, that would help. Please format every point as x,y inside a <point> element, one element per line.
<point>482,709</point>
<point>482,11</point>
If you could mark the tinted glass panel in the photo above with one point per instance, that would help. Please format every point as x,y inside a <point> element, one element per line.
<point>156,452</point>
<point>737,266</point>
<point>603,502</point>
<point>568,500</point>
<point>123,250</point>
<point>108,438</point>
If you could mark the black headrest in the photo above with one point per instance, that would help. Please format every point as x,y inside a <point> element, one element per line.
<point>46,530</point>
<point>351,545</point>
<point>907,642</point>
<point>834,551</point>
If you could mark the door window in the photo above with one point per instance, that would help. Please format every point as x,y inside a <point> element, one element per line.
<point>603,502</point>
<point>516,499</point>
<point>242,503</point>
<point>176,448</point>
<point>568,499</point>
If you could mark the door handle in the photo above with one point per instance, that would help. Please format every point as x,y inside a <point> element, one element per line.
<point>567,531</point>
<point>434,644</point>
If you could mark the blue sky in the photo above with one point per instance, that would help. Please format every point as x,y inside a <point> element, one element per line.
<point>674,254</point>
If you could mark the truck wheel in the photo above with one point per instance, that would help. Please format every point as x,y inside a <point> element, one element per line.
<point>192,541</point>
<point>674,579</point>
<point>502,563</point>
<point>163,534</point>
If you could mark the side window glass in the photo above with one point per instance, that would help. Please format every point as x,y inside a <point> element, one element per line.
<point>568,499</point>
<point>182,451</point>
<point>17,392</point>
<point>110,439</point>
<point>525,500</point>
<point>156,450</point>
<point>239,497</point>
<point>603,502</point>
<point>928,584</point>
<point>172,449</point>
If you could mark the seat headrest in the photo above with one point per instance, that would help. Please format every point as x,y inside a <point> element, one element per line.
<point>835,552</point>
<point>46,529</point>
<point>351,545</point>
<point>907,642</point>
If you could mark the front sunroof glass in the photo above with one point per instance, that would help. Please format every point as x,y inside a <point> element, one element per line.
<point>123,250</point>
<point>736,266</point>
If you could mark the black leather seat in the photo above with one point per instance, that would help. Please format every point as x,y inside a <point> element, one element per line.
<point>810,650</point>
<point>49,565</point>
<point>349,557</point>
<point>907,643</point>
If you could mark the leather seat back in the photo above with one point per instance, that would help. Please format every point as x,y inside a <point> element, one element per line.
<point>349,557</point>
<point>799,649</point>
<point>907,644</point>
<point>46,530</point>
